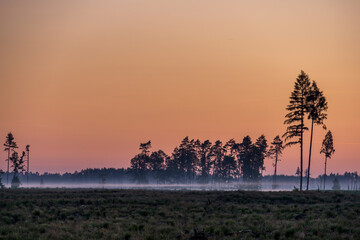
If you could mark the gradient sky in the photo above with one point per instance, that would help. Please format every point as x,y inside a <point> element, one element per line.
<point>84,82</point>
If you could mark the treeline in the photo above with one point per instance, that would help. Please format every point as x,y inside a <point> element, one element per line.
<point>91,175</point>
<point>195,161</point>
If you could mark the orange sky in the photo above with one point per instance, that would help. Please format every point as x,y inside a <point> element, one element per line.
<point>84,82</point>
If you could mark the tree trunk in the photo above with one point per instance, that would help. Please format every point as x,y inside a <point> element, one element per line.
<point>301,148</point>
<point>8,167</point>
<point>28,159</point>
<point>276,159</point>
<point>325,174</point>
<point>311,138</point>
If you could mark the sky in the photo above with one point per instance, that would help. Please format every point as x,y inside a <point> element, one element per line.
<point>84,82</point>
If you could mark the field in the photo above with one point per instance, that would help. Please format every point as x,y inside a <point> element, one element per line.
<point>146,214</point>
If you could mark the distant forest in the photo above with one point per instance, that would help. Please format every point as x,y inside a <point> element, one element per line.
<point>107,176</point>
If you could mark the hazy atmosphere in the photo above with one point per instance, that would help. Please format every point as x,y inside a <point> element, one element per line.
<point>84,82</point>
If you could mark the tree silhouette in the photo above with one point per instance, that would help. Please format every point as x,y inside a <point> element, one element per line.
<point>10,145</point>
<point>246,153</point>
<point>204,153</point>
<point>260,154</point>
<point>229,167</point>
<point>328,150</point>
<point>251,157</point>
<point>231,148</point>
<point>18,166</point>
<point>173,167</point>
<point>144,147</point>
<point>218,151</point>
<point>140,162</point>
<point>295,118</point>
<point>157,164</point>
<point>275,152</point>
<point>316,107</point>
<point>187,158</point>
<point>138,168</point>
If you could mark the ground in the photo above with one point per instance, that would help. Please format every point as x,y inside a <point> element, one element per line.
<point>146,214</point>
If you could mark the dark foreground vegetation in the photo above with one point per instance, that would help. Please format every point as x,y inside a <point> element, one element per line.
<point>145,214</point>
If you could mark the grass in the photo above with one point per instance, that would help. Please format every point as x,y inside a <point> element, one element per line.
<point>146,214</point>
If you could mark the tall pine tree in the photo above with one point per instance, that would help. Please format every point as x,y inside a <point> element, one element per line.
<point>295,118</point>
<point>316,108</point>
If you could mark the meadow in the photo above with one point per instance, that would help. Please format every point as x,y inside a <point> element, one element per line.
<point>150,214</point>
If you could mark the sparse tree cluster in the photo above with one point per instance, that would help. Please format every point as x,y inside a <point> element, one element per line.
<point>202,162</point>
<point>18,162</point>
<point>305,100</point>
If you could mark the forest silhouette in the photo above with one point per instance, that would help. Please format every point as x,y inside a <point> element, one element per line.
<point>196,161</point>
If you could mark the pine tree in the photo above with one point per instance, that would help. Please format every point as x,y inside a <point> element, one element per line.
<point>139,164</point>
<point>316,107</point>
<point>10,145</point>
<point>157,164</point>
<point>229,166</point>
<point>328,150</point>
<point>295,118</point>
<point>185,159</point>
<point>203,150</point>
<point>275,152</point>
<point>260,155</point>
<point>217,150</point>
<point>246,155</point>
<point>18,165</point>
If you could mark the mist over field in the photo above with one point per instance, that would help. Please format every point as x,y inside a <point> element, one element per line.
<point>82,181</point>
